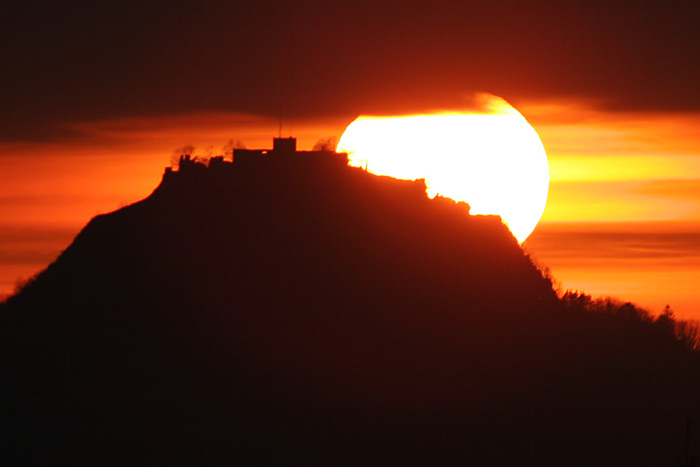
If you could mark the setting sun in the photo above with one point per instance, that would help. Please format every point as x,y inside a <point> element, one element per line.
<point>491,158</point>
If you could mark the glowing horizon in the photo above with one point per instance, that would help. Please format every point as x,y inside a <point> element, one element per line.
<point>491,158</point>
<point>604,166</point>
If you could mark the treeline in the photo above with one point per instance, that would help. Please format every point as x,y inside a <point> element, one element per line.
<point>684,332</point>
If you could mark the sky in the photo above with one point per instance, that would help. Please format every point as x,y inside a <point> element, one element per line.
<point>95,97</point>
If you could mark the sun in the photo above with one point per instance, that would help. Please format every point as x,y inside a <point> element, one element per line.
<point>491,157</point>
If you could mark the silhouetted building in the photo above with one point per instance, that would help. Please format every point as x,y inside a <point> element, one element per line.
<point>284,144</point>
<point>242,156</point>
<point>284,150</point>
<point>218,163</point>
<point>187,164</point>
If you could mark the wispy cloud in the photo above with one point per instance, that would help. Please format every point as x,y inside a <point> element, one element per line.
<point>26,249</point>
<point>674,189</point>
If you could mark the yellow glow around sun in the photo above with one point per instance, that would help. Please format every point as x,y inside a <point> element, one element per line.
<point>491,158</point>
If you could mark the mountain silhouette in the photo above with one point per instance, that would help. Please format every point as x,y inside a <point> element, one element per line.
<point>288,309</point>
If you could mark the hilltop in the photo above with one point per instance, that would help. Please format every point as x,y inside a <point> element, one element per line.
<point>287,308</point>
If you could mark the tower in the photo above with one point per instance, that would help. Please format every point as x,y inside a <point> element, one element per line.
<point>284,145</point>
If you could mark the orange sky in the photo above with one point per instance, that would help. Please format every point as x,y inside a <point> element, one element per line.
<point>623,216</point>
<point>606,168</point>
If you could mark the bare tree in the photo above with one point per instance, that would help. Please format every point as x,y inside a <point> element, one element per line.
<point>326,144</point>
<point>688,333</point>
<point>230,146</point>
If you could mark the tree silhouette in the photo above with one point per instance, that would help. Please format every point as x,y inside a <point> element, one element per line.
<point>326,144</point>
<point>230,146</point>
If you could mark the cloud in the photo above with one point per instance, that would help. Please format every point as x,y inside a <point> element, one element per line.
<point>611,201</point>
<point>336,59</point>
<point>673,189</point>
<point>27,249</point>
<point>676,242</point>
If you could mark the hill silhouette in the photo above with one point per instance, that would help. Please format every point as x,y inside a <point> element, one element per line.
<point>290,309</point>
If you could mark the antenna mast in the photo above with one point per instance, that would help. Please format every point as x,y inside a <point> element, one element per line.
<point>280,127</point>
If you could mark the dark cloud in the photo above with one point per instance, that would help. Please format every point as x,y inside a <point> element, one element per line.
<point>35,244</point>
<point>609,242</point>
<point>84,60</point>
<point>34,233</point>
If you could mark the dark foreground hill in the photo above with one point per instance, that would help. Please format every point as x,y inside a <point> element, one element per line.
<point>297,311</point>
